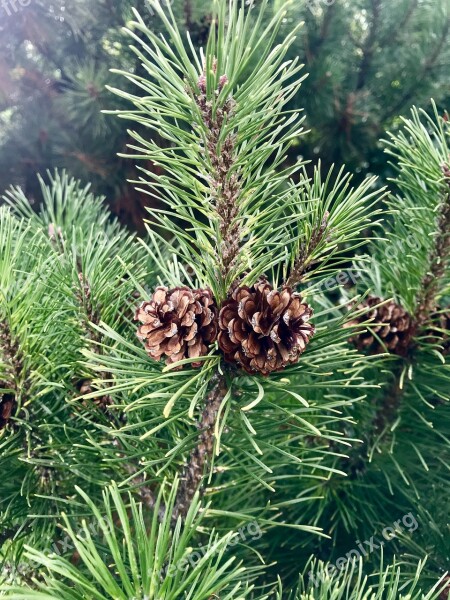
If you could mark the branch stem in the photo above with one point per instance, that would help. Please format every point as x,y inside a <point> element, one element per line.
<point>304,260</point>
<point>426,305</point>
<point>15,376</point>
<point>387,411</point>
<point>225,187</point>
<point>201,455</point>
<point>437,261</point>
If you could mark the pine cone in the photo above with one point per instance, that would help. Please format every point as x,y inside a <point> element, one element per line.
<point>262,329</point>
<point>436,330</point>
<point>445,593</point>
<point>391,323</point>
<point>7,402</point>
<point>179,323</point>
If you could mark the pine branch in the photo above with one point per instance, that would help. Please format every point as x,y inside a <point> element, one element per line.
<point>388,409</point>
<point>369,46</point>
<point>405,421</point>
<point>135,555</point>
<point>324,30</point>
<point>224,181</point>
<point>385,414</point>
<point>324,581</point>
<point>399,28</point>
<point>92,315</point>
<point>15,372</point>
<point>304,261</point>
<point>312,52</point>
<point>426,306</point>
<point>146,494</point>
<point>428,66</point>
<point>187,9</point>
<point>203,452</point>
<point>438,259</point>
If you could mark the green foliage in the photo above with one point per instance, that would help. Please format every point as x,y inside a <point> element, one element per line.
<point>60,272</point>
<point>294,394</point>
<point>397,466</point>
<point>309,462</point>
<point>367,61</point>
<point>143,551</point>
<point>352,584</point>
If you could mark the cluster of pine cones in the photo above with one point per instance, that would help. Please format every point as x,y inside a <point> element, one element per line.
<point>260,329</point>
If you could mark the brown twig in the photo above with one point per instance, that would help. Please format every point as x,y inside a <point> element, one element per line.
<point>437,260</point>
<point>355,464</point>
<point>16,377</point>
<point>428,66</point>
<point>369,46</point>
<point>398,28</point>
<point>194,470</point>
<point>225,187</point>
<point>312,50</point>
<point>387,411</point>
<point>92,315</point>
<point>187,9</point>
<point>303,261</point>
<point>146,494</point>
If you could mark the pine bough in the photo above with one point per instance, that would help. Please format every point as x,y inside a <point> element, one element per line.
<point>266,396</point>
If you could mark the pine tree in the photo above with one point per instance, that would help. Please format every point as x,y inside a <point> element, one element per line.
<point>248,400</point>
<point>367,62</point>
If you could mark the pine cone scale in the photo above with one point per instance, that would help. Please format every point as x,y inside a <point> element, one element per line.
<point>191,333</point>
<point>188,319</point>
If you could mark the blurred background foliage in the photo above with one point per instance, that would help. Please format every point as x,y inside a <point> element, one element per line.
<point>368,61</point>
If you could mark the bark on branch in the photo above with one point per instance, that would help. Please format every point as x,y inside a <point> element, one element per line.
<point>437,260</point>
<point>194,470</point>
<point>15,377</point>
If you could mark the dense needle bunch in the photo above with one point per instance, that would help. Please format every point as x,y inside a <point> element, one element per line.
<point>10,355</point>
<point>437,328</point>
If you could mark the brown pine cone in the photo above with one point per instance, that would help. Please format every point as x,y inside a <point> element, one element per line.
<point>262,329</point>
<point>391,323</point>
<point>7,403</point>
<point>436,330</point>
<point>445,593</point>
<point>179,323</point>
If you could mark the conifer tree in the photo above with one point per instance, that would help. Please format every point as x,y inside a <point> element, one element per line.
<point>367,62</point>
<point>233,406</point>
